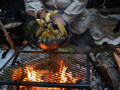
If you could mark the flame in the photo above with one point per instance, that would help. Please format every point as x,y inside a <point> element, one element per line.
<point>63,69</point>
<point>43,46</point>
<point>32,75</point>
<point>65,75</point>
<point>36,75</point>
<point>50,46</point>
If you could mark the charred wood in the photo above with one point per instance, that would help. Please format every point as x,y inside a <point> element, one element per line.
<point>111,75</point>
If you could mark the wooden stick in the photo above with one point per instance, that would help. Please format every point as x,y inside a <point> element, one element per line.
<point>7,36</point>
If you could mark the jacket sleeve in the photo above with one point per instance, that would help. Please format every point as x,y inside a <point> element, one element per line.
<point>74,9</point>
<point>32,6</point>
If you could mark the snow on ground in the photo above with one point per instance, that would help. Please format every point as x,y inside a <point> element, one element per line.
<point>10,53</point>
<point>3,87</point>
<point>4,60</point>
<point>28,48</point>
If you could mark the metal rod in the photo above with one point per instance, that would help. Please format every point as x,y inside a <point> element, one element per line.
<point>45,84</point>
<point>50,52</point>
<point>7,36</point>
<point>17,87</point>
<point>15,58</point>
<point>88,68</point>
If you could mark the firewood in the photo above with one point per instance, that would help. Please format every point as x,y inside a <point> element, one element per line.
<point>117,58</point>
<point>110,74</point>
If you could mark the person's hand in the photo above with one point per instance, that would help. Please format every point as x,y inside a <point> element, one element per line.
<point>41,14</point>
<point>59,20</point>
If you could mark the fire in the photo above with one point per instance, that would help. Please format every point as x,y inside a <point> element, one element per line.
<point>36,75</point>
<point>50,46</point>
<point>64,76</point>
<point>33,75</point>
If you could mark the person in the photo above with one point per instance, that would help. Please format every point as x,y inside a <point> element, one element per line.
<point>71,12</point>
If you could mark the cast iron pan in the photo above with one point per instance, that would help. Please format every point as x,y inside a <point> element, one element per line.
<point>53,44</point>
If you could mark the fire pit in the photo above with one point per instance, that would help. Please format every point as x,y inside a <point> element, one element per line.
<point>48,71</point>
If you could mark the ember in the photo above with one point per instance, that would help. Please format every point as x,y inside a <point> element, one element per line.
<point>63,76</point>
<point>49,71</point>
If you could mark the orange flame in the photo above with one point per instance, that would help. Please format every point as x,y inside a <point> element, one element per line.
<point>32,75</point>
<point>65,76</point>
<point>50,46</point>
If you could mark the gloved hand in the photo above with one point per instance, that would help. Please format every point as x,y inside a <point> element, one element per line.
<point>59,20</point>
<point>41,14</point>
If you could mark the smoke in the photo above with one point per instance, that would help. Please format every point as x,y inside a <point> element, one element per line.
<point>84,42</point>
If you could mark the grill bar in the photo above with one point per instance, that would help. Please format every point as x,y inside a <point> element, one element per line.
<point>49,52</point>
<point>44,84</point>
<point>7,62</point>
<point>88,68</point>
<point>39,59</point>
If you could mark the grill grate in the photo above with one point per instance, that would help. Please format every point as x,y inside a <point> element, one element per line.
<point>47,65</point>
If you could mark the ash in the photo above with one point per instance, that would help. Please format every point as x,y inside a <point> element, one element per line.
<point>96,81</point>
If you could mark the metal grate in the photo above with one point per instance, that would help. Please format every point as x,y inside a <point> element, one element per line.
<point>48,64</point>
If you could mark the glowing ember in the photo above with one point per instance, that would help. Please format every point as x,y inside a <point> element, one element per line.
<point>63,76</point>
<point>40,88</point>
<point>50,46</point>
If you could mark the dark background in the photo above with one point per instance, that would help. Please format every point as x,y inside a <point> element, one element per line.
<point>12,5</point>
<point>108,3</point>
<point>19,4</point>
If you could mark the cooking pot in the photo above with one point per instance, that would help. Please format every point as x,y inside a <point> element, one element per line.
<point>53,44</point>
